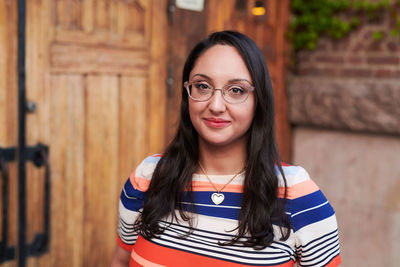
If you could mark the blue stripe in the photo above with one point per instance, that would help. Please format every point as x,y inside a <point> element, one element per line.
<point>131,198</point>
<point>305,202</point>
<point>311,216</point>
<point>204,197</point>
<point>215,211</point>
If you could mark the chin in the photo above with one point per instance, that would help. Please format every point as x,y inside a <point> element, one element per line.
<point>221,141</point>
<point>216,141</point>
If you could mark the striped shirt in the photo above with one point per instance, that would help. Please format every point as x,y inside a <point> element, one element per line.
<point>313,239</point>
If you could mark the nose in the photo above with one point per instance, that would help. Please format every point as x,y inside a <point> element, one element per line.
<point>217,102</point>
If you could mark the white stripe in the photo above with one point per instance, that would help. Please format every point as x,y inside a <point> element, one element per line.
<point>219,252</point>
<point>199,240</point>
<point>313,208</point>
<point>207,205</point>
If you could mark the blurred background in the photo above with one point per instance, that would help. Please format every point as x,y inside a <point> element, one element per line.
<point>88,88</point>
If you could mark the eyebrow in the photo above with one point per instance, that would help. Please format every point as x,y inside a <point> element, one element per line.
<point>231,80</point>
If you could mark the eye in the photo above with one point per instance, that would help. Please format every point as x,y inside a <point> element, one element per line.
<point>236,90</point>
<point>202,86</point>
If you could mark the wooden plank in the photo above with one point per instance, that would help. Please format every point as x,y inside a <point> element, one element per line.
<point>74,58</point>
<point>80,118</point>
<point>8,110</point>
<point>4,44</point>
<point>133,18</point>
<point>133,115</point>
<point>272,10</point>
<point>67,162</point>
<point>213,16</point>
<point>102,15</point>
<point>8,74</point>
<point>101,169</point>
<point>124,24</point>
<point>38,34</point>
<point>284,132</point>
<point>113,14</point>
<point>68,14</point>
<point>58,151</point>
<point>87,16</point>
<point>74,175</point>
<point>157,76</point>
<point>131,41</point>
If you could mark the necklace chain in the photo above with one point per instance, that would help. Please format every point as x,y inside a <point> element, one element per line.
<point>209,179</point>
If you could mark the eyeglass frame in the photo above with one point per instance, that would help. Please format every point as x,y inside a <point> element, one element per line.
<point>187,83</point>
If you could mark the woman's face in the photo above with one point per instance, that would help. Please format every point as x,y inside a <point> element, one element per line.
<point>218,122</point>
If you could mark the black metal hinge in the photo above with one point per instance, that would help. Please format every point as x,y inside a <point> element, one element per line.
<point>6,252</point>
<point>39,156</point>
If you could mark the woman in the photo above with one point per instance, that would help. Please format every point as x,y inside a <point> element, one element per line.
<point>219,194</point>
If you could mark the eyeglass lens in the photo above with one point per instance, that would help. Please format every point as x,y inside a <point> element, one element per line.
<point>233,93</point>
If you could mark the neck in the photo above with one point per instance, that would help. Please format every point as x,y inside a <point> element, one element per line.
<point>222,159</point>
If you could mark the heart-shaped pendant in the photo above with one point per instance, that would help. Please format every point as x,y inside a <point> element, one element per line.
<point>217,198</point>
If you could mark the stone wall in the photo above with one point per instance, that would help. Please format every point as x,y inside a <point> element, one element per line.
<point>360,176</point>
<point>351,84</point>
<point>344,101</point>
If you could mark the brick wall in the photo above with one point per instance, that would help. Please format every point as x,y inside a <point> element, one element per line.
<point>350,84</point>
<point>357,55</point>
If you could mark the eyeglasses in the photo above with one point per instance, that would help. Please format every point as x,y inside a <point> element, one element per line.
<point>232,93</point>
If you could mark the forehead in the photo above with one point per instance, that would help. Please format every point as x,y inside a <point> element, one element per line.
<point>221,62</point>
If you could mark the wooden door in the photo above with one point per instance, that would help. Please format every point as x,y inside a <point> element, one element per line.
<point>8,115</point>
<point>96,70</point>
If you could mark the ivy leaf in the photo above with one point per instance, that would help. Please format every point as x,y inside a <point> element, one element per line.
<point>377,35</point>
<point>394,33</point>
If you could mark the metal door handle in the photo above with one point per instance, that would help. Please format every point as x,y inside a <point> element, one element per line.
<point>6,252</point>
<point>40,244</point>
<point>39,155</point>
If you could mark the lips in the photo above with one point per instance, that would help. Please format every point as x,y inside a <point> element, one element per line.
<point>216,122</point>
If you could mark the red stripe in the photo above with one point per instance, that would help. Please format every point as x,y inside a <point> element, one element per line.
<point>123,245</point>
<point>133,263</point>
<point>335,262</point>
<point>173,257</point>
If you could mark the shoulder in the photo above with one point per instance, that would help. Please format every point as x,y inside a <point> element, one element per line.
<point>312,219</point>
<point>306,204</point>
<point>140,178</point>
<point>294,176</point>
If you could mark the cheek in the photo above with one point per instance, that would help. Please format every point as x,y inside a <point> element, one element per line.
<point>194,112</point>
<point>246,114</point>
<point>191,110</point>
<point>247,117</point>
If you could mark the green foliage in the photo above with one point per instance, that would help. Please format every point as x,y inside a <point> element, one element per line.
<point>394,32</point>
<point>377,35</point>
<point>313,18</point>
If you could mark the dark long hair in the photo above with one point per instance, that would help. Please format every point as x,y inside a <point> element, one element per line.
<point>172,177</point>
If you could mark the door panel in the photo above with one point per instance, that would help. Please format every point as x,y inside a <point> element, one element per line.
<point>9,114</point>
<point>101,168</point>
<point>96,70</point>
<point>67,147</point>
